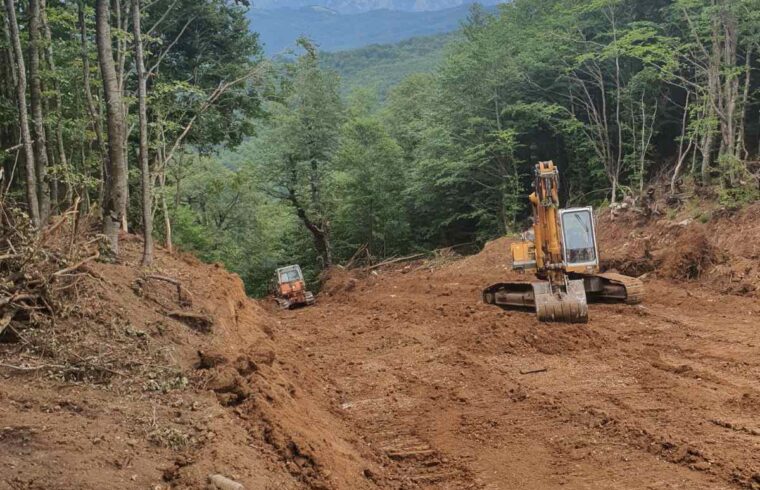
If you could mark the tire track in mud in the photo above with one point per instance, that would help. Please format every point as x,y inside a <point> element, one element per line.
<point>388,412</point>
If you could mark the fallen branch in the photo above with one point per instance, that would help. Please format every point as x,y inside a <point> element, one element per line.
<point>6,320</point>
<point>77,265</point>
<point>534,371</point>
<point>16,297</point>
<point>63,218</point>
<point>395,261</point>
<point>13,148</point>
<point>185,297</point>
<point>33,368</point>
<point>350,263</point>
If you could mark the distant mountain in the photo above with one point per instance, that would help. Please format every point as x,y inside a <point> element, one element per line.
<point>332,31</point>
<point>381,66</point>
<point>357,6</point>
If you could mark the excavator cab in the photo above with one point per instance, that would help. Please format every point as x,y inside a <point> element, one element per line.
<point>290,289</point>
<point>579,251</point>
<point>579,240</point>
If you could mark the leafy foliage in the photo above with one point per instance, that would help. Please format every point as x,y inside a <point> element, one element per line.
<point>429,143</point>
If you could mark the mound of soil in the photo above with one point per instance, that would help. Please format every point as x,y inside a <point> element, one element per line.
<point>717,248</point>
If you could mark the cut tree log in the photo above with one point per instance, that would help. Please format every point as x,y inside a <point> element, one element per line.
<point>397,260</point>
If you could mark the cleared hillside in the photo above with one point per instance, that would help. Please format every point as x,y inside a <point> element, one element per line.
<point>399,378</point>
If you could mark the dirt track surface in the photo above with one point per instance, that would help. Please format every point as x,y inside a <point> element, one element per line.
<point>661,395</point>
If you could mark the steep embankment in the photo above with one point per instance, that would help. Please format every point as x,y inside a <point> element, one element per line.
<point>139,383</point>
<point>712,246</point>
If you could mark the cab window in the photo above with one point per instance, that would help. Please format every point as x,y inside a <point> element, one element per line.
<point>289,276</point>
<point>578,230</point>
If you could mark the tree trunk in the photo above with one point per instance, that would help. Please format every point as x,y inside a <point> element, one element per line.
<point>116,171</point>
<point>741,143</point>
<point>63,159</point>
<point>730,96</point>
<point>682,153</point>
<point>38,116</point>
<point>167,219</point>
<point>147,199</point>
<point>93,111</point>
<point>26,137</point>
<point>122,23</point>
<point>707,148</point>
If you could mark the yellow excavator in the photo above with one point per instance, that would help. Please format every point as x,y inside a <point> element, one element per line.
<point>561,248</point>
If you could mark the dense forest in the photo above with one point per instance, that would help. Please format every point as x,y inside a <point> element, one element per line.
<point>168,113</point>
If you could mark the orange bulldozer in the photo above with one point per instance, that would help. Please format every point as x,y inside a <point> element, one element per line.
<point>290,288</point>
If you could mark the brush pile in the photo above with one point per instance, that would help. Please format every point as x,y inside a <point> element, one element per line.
<point>43,274</point>
<point>40,270</point>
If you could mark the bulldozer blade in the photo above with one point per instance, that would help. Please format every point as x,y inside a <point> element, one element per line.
<point>561,306</point>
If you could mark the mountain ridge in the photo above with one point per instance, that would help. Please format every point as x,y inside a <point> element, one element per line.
<point>381,66</point>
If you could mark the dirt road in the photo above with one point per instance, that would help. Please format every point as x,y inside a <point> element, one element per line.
<point>455,394</point>
<point>399,380</point>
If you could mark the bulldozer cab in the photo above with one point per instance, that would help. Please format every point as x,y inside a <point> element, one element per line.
<point>289,275</point>
<point>579,239</point>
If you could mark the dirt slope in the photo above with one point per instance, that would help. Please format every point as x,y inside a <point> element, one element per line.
<point>169,401</point>
<point>710,245</point>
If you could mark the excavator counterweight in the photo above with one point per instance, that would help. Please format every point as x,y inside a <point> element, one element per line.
<point>561,249</point>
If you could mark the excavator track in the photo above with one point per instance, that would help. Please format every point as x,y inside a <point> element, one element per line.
<point>632,286</point>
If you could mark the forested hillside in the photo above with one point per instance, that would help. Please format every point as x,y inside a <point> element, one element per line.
<point>332,31</point>
<point>168,113</point>
<point>382,66</point>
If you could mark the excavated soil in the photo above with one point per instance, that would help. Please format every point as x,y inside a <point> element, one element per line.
<point>402,379</point>
<point>457,394</point>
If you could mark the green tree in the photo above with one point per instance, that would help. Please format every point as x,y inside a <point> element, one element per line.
<point>303,140</point>
<point>369,182</point>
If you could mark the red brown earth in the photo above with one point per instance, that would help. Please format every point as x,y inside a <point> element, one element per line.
<point>402,379</point>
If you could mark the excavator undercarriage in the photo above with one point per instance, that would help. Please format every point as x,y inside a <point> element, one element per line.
<point>570,304</point>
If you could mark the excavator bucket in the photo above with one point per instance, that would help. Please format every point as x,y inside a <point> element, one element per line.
<point>561,306</point>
